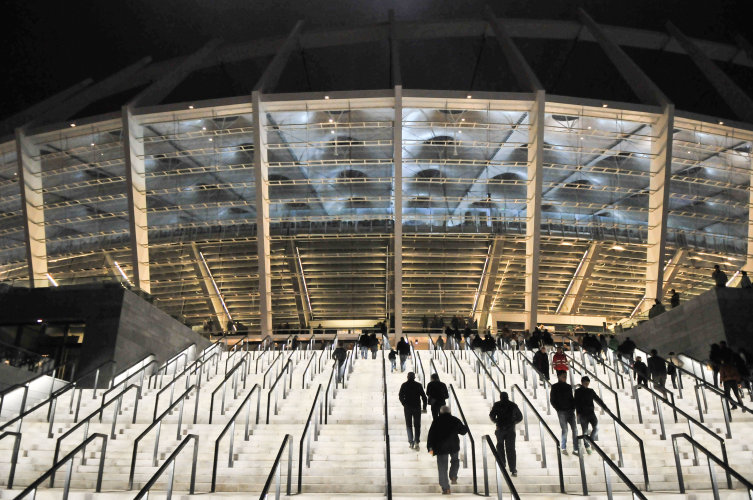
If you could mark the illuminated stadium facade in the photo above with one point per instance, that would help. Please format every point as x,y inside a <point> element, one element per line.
<point>311,207</point>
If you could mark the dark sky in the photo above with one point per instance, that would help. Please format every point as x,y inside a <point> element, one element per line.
<point>49,46</point>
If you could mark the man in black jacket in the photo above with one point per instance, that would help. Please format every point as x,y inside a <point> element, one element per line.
<point>437,393</point>
<point>541,362</point>
<point>411,395</point>
<point>505,414</point>
<point>561,397</point>
<point>403,349</point>
<point>584,404</point>
<point>657,368</point>
<point>443,442</point>
<point>340,354</point>
<point>641,371</point>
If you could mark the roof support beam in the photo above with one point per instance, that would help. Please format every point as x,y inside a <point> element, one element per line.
<point>261,182</point>
<point>646,90</point>
<point>740,103</point>
<point>396,76</point>
<point>209,288</point>
<point>397,266</point>
<point>133,152</point>
<point>533,207</point>
<point>271,75</point>
<point>748,266</point>
<point>301,294</point>
<point>673,268</point>
<point>23,117</point>
<point>161,88</point>
<point>660,168</point>
<point>527,79</point>
<point>578,284</point>
<point>490,281</point>
<point>32,204</point>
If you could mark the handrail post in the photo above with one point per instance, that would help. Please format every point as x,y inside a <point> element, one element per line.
<point>583,479</point>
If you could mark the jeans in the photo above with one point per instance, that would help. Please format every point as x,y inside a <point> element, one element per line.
<point>584,420</point>
<point>341,372</point>
<point>413,423</point>
<point>442,468</point>
<point>373,352</point>
<point>435,408</point>
<point>364,352</point>
<point>393,365</point>
<point>506,446</point>
<point>403,358</point>
<point>659,379</point>
<point>731,385</point>
<point>567,417</point>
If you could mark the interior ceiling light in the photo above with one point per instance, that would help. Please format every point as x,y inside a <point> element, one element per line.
<point>566,243</point>
<point>203,128</point>
<point>721,122</point>
<point>462,119</point>
<point>73,124</point>
<point>469,96</point>
<point>619,248</point>
<point>605,105</point>
<point>331,120</point>
<point>326,97</point>
<point>190,107</point>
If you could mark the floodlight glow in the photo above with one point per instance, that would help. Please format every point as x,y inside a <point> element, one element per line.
<point>52,280</point>
<point>122,273</point>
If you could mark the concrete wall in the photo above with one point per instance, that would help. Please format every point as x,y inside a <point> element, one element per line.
<point>716,315</point>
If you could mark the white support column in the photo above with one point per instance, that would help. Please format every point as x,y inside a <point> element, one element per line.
<point>32,204</point>
<point>533,207</point>
<point>133,149</point>
<point>578,284</point>
<point>261,182</point>
<point>748,266</point>
<point>397,268</point>
<point>658,204</point>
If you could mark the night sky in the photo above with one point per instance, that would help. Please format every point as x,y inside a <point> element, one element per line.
<point>49,46</point>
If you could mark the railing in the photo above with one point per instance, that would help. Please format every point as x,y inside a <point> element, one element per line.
<point>275,472</point>
<point>306,436</point>
<point>230,426</point>
<point>306,370</point>
<point>710,457</point>
<point>330,388</point>
<point>420,363</point>
<point>223,385</point>
<point>542,427</point>
<point>535,383</point>
<point>158,424</point>
<point>25,387</point>
<point>481,366</point>
<point>269,370</point>
<point>85,423</point>
<point>13,457</point>
<point>387,461</point>
<point>469,435</point>
<point>459,369</point>
<point>162,370</point>
<point>493,363</point>
<point>189,370</point>
<point>486,442</point>
<point>287,369</point>
<point>260,357</point>
<point>127,375</point>
<point>32,488</point>
<point>724,401</point>
<point>585,371</point>
<point>170,461</point>
<point>608,464</point>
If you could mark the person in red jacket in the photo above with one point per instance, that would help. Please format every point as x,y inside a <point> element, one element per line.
<point>559,362</point>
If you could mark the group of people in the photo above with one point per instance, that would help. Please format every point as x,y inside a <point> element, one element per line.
<point>731,368</point>
<point>368,342</point>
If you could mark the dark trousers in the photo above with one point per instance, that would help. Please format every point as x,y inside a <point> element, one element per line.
<point>731,385</point>
<point>506,446</point>
<point>435,408</point>
<point>413,423</point>
<point>641,380</point>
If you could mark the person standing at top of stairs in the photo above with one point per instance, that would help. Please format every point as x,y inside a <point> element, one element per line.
<point>506,414</point>
<point>411,395</point>
<point>561,397</point>
<point>443,442</point>
<point>437,393</point>
<point>403,349</point>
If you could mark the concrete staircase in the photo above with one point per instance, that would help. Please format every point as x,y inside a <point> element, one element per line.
<point>347,457</point>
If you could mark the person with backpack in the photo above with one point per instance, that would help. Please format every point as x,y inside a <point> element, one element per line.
<point>506,414</point>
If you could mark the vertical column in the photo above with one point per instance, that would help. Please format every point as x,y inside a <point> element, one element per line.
<point>748,266</point>
<point>658,203</point>
<point>533,207</point>
<point>133,149</point>
<point>261,181</point>
<point>397,268</point>
<point>32,203</point>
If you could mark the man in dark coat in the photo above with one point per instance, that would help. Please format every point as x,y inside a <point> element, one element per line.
<point>641,371</point>
<point>561,398</point>
<point>505,414</point>
<point>541,362</point>
<point>437,393</point>
<point>411,395</point>
<point>443,442</point>
<point>340,354</point>
<point>657,368</point>
<point>584,404</point>
<point>403,349</point>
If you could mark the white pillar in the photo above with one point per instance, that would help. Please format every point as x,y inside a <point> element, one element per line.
<point>261,181</point>
<point>133,150</point>
<point>397,152</point>
<point>32,204</point>
<point>533,207</point>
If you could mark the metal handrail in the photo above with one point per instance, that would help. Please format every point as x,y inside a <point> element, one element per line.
<point>387,460</point>
<point>197,365</point>
<point>535,383</point>
<point>470,437</point>
<point>689,419</point>
<point>606,461</point>
<point>417,356</point>
<point>583,369</point>
<point>542,426</point>
<point>605,366</point>
<point>158,423</point>
<point>144,492</point>
<point>464,385</point>
<point>259,358</point>
<point>25,386</point>
<point>85,423</point>
<point>305,436</point>
<point>14,455</point>
<point>327,403</point>
<point>725,402</point>
<point>223,385</point>
<point>480,365</point>
<point>305,370</point>
<point>287,368</point>
<point>231,425</point>
<point>275,472</point>
<point>486,442</point>
<point>268,370</point>
<point>499,370</point>
<point>163,368</point>
<point>69,460</point>
<point>709,457</point>
<point>124,382</point>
